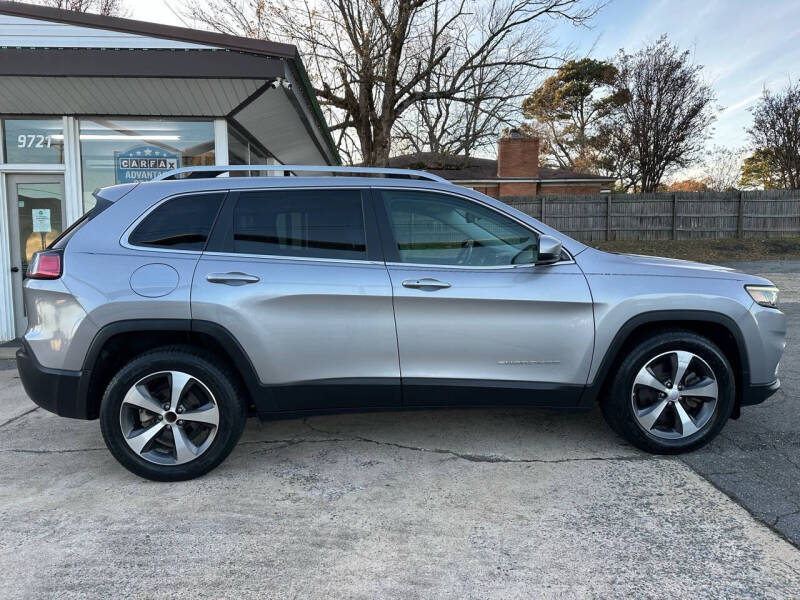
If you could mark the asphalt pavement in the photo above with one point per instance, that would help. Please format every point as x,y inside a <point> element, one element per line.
<point>756,459</point>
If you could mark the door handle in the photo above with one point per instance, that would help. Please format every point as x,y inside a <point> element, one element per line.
<point>15,269</point>
<point>426,283</point>
<point>232,278</point>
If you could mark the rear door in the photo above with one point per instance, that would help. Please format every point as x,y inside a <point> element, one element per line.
<point>297,277</point>
<point>477,322</point>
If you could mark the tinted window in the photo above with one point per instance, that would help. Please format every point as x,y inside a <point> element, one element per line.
<point>182,223</point>
<point>305,223</point>
<point>437,229</point>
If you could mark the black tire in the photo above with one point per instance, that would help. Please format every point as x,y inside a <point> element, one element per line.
<point>617,405</point>
<point>230,401</point>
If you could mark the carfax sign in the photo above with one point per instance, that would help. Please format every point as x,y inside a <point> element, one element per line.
<point>143,163</point>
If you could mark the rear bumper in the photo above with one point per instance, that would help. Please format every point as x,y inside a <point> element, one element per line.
<point>52,389</point>
<point>756,394</point>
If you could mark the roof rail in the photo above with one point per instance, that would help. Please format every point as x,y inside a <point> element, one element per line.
<point>217,170</point>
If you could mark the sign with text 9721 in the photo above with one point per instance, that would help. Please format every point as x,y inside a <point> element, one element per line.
<point>33,141</point>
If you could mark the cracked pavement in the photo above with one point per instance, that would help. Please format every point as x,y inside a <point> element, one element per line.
<point>478,503</point>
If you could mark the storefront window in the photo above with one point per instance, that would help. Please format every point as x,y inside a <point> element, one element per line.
<point>257,157</point>
<point>126,151</point>
<point>243,152</point>
<point>33,141</point>
<point>238,152</point>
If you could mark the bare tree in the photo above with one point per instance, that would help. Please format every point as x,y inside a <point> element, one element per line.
<point>101,7</point>
<point>776,132</point>
<point>722,168</point>
<point>473,118</point>
<point>667,119</point>
<point>456,126</point>
<point>371,61</point>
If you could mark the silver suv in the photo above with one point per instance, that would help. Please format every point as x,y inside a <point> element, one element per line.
<point>176,308</point>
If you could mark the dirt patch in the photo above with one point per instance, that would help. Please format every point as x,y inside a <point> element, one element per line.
<point>709,251</point>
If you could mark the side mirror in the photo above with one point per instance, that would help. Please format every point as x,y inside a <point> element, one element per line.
<point>549,250</point>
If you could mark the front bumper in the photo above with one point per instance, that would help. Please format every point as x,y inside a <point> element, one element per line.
<point>52,389</point>
<point>756,394</point>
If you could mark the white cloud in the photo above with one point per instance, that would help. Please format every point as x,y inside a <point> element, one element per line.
<point>743,103</point>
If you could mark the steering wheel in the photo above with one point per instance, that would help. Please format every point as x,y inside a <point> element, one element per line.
<point>465,254</point>
<point>523,251</point>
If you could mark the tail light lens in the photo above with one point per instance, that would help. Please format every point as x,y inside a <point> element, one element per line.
<point>46,264</point>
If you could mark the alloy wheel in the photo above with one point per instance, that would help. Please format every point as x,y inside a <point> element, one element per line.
<point>674,395</point>
<point>169,418</point>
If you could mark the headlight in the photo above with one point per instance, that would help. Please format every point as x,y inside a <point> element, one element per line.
<point>765,295</point>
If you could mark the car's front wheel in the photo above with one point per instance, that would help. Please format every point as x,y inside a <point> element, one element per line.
<point>672,393</point>
<point>171,414</point>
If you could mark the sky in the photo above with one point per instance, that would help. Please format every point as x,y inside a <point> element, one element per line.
<point>744,45</point>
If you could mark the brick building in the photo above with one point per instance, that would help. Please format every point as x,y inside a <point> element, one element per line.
<point>516,172</point>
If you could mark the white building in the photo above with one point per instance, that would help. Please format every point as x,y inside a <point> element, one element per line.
<point>89,101</point>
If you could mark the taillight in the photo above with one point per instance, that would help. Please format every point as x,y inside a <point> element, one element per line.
<point>45,265</point>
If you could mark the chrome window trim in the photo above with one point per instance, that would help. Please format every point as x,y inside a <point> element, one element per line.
<point>126,234</point>
<point>124,238</point>
<point>439,267</point>
<point>379,263</point>
<point>527,226</point>
<point>295,258</point>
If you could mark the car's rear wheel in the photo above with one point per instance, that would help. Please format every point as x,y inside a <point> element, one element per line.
<point>673,392</point>
<point>172,414</point>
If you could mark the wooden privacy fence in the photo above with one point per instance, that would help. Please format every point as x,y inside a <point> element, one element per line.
<point>665,216</point>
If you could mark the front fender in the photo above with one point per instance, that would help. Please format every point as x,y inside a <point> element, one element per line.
<point>622,303</point>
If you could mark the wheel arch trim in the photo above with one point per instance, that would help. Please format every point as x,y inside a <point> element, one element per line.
<point>593,389</point>
<point>222,336</point>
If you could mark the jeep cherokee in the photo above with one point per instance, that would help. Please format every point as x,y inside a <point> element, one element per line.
<point>175,308</point>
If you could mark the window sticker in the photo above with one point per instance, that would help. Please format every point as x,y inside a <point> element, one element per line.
<point>41,220</point>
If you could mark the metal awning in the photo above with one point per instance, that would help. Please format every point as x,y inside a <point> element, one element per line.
<point>260,85</point>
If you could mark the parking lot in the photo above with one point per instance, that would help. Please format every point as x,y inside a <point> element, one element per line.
<point>482,503</point>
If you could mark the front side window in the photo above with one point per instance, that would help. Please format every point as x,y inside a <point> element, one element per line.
<point>302,223</point>
<point>182,223</point>
<point>438,229</point>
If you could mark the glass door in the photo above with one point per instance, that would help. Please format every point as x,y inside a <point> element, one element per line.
<point>36,218</point>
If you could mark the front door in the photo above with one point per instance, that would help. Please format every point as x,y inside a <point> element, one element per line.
<point>36,218</point>
<point>477,321</point>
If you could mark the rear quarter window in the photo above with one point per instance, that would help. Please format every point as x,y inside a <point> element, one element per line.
<point>181,223</point>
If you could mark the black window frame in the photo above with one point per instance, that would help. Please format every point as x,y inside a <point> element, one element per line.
<point>390,249</point>
<point>163,202</point>
<point>222,236</point>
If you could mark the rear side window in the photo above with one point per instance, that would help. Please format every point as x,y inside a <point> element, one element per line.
<point>302,223</point>
<point>182,223</point>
